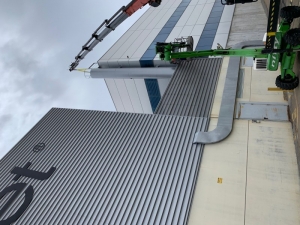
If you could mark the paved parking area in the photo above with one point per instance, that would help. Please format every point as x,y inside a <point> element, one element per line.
<point>293,97</point>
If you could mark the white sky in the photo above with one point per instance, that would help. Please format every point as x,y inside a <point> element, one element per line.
<point>38,42</point>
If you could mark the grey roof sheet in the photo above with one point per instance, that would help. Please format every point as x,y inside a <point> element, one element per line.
<point>111,168</point>
<point>191,89</point>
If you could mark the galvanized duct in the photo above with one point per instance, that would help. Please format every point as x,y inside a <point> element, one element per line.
<point>191,90</point>
<point>111,168</point>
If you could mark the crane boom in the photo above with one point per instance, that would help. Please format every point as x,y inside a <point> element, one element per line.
<point>109,25</point>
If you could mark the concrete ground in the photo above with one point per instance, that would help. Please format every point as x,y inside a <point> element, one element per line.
<point>252,176</point>
<point>293,97</point>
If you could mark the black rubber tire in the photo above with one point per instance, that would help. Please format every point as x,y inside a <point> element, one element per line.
<point>290,12</point>
<point>292,36</point>
<point>288,83</point>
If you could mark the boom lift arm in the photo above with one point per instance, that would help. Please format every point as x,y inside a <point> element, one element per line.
<point>283,51</point>
<point>109,25</point>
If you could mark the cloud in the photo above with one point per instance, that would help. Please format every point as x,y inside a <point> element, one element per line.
<point>17,57</point>
<point>38,41</point>
<point>23,98</point>
<point>4,119</point>
<point>26,72</point>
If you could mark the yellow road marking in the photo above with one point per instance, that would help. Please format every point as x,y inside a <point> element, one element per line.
<point>277,89</point>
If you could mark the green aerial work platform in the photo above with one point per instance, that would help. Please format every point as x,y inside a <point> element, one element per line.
<point>281,47</point>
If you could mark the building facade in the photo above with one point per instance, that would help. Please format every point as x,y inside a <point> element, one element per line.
<point>207,21</point>
<point>218,150</point>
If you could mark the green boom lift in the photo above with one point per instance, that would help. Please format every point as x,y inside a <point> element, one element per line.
<point>281,47</point>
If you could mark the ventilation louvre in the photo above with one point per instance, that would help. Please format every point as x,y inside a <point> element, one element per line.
<point>260,64</point>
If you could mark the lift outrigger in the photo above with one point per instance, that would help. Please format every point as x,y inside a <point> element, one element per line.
<point>286,42</point>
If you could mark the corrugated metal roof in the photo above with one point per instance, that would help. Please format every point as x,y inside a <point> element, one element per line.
<point>111,168</point>
<point>191,89</point>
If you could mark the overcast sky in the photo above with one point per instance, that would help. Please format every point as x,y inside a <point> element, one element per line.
<point>38,42</point>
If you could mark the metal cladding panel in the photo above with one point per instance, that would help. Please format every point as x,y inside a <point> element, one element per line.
<point>115,95</point>
<point>191,89</point>
<point>111,168</point>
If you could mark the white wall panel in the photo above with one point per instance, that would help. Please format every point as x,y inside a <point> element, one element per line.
<point>159,16</point>
<point>165,18</point>
<point>139,24</point>
<point>174,34</point>
<point>149,20</point>
<point>166,4</point>
<point>124,95</point>
<point>170,3</point>
<point>146,42</point>
<point>115,95</point>
<point>176,3</point>
<point>227,13</point>
<point>224,28</point>
<point>143,95</point>
<point>163,84</point>
<point>130,95</point>
<point>186,31</point>
<point>195,14</point>
<point>167,7</point>
<point>221,39</point>
<point>205,13</point>
<point>196,40</point>
<point>142,19</point>
<point>197,30</point>
<point>137,42</point>
<point>202,2</point>
<point>134,96</point>
<point>194,2</point>
<point>116,46</point>
<point>185,16</point>
<point>127,44</point>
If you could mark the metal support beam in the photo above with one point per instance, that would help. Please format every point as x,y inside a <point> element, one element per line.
<point>129,73</point>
